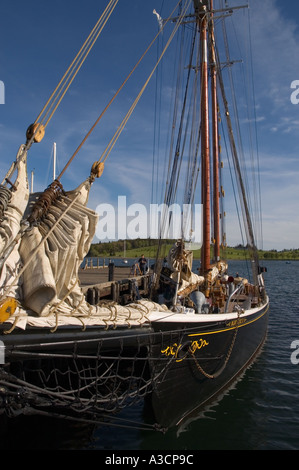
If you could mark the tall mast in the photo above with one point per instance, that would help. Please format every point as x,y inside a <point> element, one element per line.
<point>202,21</point>
<point>216,210</point>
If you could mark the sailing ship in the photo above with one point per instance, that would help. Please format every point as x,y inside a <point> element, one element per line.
<point>80,355</point>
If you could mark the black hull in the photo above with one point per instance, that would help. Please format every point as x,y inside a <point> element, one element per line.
<point>74,374</point>
<point>220,353</point>
<point>97,372</point>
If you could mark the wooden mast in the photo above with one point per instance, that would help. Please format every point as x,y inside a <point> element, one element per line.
<point>216,209</point>
<point>201,11</point>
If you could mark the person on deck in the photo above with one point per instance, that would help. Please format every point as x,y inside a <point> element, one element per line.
<point>142,264</point>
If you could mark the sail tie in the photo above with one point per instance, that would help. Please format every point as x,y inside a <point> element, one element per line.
<point>45,201</point>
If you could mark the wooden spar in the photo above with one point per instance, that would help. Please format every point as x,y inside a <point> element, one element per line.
<point>205,147</point>
<point>216,210</point>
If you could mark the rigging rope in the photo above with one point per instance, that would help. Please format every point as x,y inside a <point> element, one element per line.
<point>112,142</point>
<point>98,166</point>
<point>75,66</point>
<point>105,154</point>
<point>249,95</point>
<point>35,132</point>
<point>241,187</point>
<point>176,153</point>
<point>114,97</point>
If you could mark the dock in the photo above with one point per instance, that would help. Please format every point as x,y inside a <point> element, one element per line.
<point>117,284</point>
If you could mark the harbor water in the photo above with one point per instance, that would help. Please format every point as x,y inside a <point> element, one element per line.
<point>259,412</point>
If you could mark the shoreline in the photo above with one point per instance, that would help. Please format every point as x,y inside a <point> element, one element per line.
<point>136,248</point>
<point>135,258</point>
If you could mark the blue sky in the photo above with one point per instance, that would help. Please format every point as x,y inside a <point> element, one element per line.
<point>39,40</point>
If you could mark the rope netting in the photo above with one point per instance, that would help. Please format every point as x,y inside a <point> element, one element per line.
<point>91,387</point>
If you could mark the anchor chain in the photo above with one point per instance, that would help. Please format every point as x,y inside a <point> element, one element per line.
<point>214,376</point>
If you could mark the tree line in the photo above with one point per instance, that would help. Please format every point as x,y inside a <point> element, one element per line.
<point>134,247</point>
<point>113,248</point>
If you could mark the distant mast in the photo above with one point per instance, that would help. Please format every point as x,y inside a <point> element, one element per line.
<point>54,161</point>
<point>32,178</point>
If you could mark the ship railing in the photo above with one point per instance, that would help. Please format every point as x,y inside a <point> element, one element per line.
<point>236,291</point>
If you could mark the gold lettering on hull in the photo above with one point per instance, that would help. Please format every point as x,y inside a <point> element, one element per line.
<point>237,322</point>
<point>181,351</point>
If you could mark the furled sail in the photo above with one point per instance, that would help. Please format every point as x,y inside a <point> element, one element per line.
<point>53,250</point>
<point>180,262</point>
<point>42,251</point>
<point>13,205</point>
